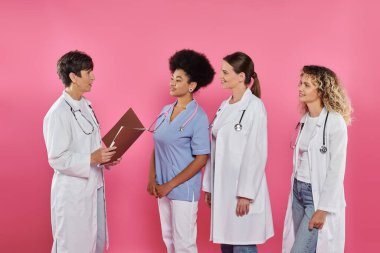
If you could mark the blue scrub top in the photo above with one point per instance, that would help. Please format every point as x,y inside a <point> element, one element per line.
<point>175,150</point>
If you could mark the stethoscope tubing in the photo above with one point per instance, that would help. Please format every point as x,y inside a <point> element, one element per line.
<point>323,148</point>
<point>238,127</point>
<point>166,114</point>
<point>95,119</point>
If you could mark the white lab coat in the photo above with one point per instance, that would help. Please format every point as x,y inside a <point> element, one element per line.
<point>75,181</point>
<point>327,174</point>
<point>236,167</point>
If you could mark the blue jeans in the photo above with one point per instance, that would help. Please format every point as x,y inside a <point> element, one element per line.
<point>303,210</point>
<point>226,248</point>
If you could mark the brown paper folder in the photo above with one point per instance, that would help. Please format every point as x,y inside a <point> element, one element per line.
<point>124,133</point>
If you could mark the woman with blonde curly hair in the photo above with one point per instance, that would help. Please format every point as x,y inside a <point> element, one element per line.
<point>315,216</point>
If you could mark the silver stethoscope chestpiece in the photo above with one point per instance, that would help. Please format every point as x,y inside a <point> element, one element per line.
<point>323,149</point>
<point>238,127</point>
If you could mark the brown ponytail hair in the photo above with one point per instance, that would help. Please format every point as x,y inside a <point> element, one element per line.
<point>241,62</point>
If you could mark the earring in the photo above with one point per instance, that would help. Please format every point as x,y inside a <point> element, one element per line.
<point>190,90</point>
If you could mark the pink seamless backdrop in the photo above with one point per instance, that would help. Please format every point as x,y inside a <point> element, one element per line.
<point>130,42</point>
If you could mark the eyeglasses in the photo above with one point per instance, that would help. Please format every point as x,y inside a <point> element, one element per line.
<point>154,122</point>
<point>149,129</point>
<point>166,114</point>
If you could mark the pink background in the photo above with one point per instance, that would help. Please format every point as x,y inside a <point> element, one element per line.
<point>130,42</point>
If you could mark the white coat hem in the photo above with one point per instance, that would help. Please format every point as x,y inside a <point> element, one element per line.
<point>241,243</point>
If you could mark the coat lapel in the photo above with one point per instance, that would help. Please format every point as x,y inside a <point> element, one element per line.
<point>321,120</point>
<point>299,134</point>
<point>235,116</point>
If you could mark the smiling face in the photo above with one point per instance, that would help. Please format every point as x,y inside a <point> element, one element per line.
<point>180,85</point>
<point>84,82</point>
<point>229,78</point>
<point>308,90</point>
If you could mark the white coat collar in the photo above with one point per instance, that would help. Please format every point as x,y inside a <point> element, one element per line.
<point>320,122</point>
<point>322,117</point>
<point>74,103</point>
<point>243,103</point>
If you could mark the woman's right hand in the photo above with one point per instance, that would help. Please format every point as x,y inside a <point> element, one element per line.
<point>208,198</point>
<point>102,155</point>
<point>151,188</point>
<point>242,206</point>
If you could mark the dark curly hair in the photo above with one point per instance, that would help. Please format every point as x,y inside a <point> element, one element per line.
<point>196,66</point>
<point>73,62</point>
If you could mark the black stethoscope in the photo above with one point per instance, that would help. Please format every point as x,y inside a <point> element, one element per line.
<point>93,113</point>
<point>323,148</point>
<point>238,127</point>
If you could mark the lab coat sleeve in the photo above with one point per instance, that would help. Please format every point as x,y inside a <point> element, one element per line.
<point>254,157</point>
<point>333,188</point>
<point>57,134</point>
<point>200,141</point>
<point>206,185</point>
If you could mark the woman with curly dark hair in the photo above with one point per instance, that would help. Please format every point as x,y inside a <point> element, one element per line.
<point>181,147</point>
<point>314,219</point>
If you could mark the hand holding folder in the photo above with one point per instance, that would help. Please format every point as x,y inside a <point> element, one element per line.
<point>124,133</point>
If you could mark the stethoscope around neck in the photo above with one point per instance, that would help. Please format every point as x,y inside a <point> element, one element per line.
<point>166,114</point>
<point>238,127</point>
<point>323,148</point>
<point>76,119</point>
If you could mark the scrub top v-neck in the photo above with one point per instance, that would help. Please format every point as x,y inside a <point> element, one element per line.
<point>175,149</point>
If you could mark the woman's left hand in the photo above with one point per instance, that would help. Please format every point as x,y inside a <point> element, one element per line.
<point>242,206</point>
<point>164,189</point>
<point>317,220</point>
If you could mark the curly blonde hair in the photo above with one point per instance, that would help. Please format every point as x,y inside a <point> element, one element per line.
<point>332,93</point>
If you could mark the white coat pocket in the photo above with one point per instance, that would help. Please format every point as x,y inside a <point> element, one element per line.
<point>258,204</point>
<point>236,141</point>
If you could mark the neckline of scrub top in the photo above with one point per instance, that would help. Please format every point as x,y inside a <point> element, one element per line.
<point>189,106</point>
